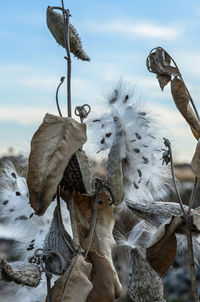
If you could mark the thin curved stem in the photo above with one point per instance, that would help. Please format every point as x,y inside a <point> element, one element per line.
<point>168,144</point>
<point>57,102</point>
<point>192,197</point>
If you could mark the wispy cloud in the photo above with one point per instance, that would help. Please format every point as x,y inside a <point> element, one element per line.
<point>143,29</point>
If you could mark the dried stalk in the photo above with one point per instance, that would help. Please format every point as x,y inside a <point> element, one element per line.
<point>66,15</point>
<point>188,225</point>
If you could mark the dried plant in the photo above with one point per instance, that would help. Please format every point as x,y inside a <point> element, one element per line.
<point>104,213</point>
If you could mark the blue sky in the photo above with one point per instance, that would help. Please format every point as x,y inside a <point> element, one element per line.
<point>118,36</point>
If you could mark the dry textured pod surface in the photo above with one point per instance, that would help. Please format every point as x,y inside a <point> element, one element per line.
<point>195,164</point>
<point>52,146</point>
<point>114,168</point>
<point>74,285</point>
<point>162,249</point>
<point>181,99</point>
<point>61,242</point>
<point>103,241</point>
<point>55,24</point>
<point>85,169</point>
<point>156,212</point>
<point>144,284</point>
<point>20,273</point>
<point>102,277</point>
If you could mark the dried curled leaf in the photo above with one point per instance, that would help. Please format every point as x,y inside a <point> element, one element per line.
<point>20,272</point>
<point>195,164</point>
<point>181,99</point>
<point>159,62</point>
<point>144,284</point>
<point>103,241</point>
<point>74,285</point>
<point>104,289</point>
<point>52,147</point>
<point>55,24</point>
<point>161,251</point>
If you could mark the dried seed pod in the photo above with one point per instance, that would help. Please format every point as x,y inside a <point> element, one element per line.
<point>55,24</point>
<point>162,248</point>
<point>181,99</point>
<point>195,164</point>
<point>60,242</point>
<point>156,212</point>
<point>85,169</point>
<point>20,272</point>
<point>144,284</point>
<point>52,147</point>
<point>114,165</point>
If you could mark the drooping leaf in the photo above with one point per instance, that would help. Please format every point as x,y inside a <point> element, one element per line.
<point>52,147</point>
<point>181,99</point>
<point>161,251</point>
<point>74,285</point>
<point>103,241</point>
<point>20,272</point>
<point>105,288</point>
<point>163,80</point>
<point>159,62</point>
<point>144,284</point>
<point>195,164</point>
<point>55,23</point>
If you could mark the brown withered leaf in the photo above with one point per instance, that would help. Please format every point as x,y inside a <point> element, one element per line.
<point>103,241</point>
<point>159,62</point>
<point>195,164</point>
<point>52,147</point>
<point>55,23</point>
<point>181,99</point>
<point>74,285</point>
<point>102,277</point>
<point>162,249</point>
<point>163,80</point>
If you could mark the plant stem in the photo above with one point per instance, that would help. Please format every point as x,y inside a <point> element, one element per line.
<point>66,15</point>
<point>168,144</point>
<point>191,260</point>
<point>192,197</point>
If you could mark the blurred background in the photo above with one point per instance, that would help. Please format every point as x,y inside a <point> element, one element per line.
<point>118,36</point>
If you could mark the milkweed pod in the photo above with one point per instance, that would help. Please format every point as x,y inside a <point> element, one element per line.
<point>55,23</point>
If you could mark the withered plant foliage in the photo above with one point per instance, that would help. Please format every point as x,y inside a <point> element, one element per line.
<point>58,166</point>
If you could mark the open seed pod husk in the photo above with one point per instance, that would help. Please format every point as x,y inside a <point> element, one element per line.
<point>60,245</point>
<point>103,241</point>
<point>55,23</point>
<point>114,166</point>
<point>162,248</point>
<point>74,285</point>
<point>104,289</point>
<point>77,176</point>
<point>52,147</point>
<point>144,284</point>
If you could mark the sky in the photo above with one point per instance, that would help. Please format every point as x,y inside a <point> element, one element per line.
<point>118,36</point>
